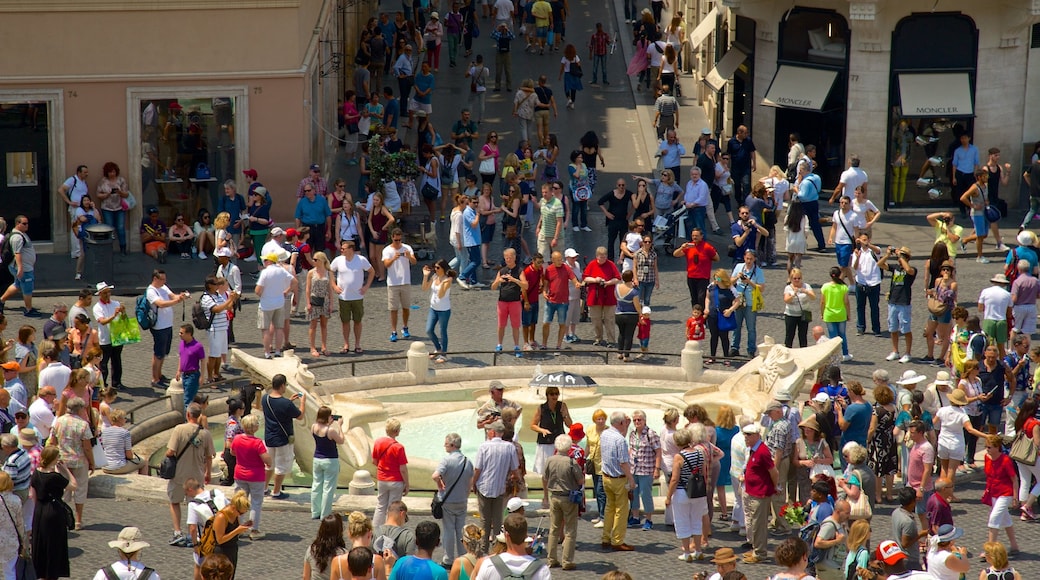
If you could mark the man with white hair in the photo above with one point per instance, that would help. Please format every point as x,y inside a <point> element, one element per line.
<point>760,481</point>
<point>1024,292</point>
<point>561,477</point>
<point>452,477</point>
<point>696,200</point>
<point>496,460</point>
<point>617,482</point>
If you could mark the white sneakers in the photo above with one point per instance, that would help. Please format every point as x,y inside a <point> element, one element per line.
<point>904,359</point>
<point>895,356</point>
<point>892,356</point>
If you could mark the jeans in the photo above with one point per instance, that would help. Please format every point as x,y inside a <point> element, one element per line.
<point>389,492</point>
<point>746,317</point>
<point>631,10</point>
<point>644,491</point>
<point>792,324</point>
<point>1034,209</point>
<point>580,214</point>
<point>453,49</point>
<point>404,89</point>
<point>325,473</point>
<point>601,496</point>
<point>463,258</point>
<point>470,273</point>
<point>697,217</point>
<point>438,319</point>
<point>868,295</point>
<point>615,234</point>
<point>838,329</point>
<point>599,62</point>
<point>626,324</point>
<point>812,211</point>
<point>563,520</point>
<point>190,382</point>
<point>646,289</point>
<point>255,491</point>
<point>115,355</point>
<point>116,219</point>
<point>451,531</point>
<point>615,517</point>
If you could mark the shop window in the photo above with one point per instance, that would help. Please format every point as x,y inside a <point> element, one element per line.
<point>815,37</point>
<point>25,165</point>
<point>187,151</point>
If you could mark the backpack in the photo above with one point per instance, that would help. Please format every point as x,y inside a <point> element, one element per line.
<point>207,540</point>
<point>447,173</point>
<point>110,573</point>
<point>808,534</point>
<point>145,313</point>
<point>850,572</point>
<point>6,250</point>
<point>200,317</point>
<point>532,568</point>
<point>1011,269</point>
<point>969,349</point>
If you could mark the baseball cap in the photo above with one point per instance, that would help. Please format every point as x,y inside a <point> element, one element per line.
<point>291,232</point>
<point>821,397</point>
<point>315,167</point>
<point>11,366</point>
<point>889,552</point>
<point>277,231</point>
<point>273,258</point>
<point>751,429</point>
<point>224,252</point>
<point>152,209</point>
<point>774,406</point>
<point>250,173</point>
<point>646,310</point>
<point>496,386</point>
<point>515,504</point>
<point>570,253</point>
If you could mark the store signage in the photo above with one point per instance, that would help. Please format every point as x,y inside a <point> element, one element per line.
<point>799,87</point>
<point>936,95</point>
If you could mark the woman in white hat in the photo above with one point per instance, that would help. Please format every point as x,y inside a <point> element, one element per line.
<point>129,545</point>
<point>952,423</point>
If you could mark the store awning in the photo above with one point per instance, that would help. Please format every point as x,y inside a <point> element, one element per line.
<point>798,87</point>
<point>724,69</point>
<point>704,29</point>
<point>936,95</point>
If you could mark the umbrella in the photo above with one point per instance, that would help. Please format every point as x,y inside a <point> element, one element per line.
<point>561,379</point>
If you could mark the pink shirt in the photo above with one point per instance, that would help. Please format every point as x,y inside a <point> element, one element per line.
<point>247,450</point>
<point>920,454</point>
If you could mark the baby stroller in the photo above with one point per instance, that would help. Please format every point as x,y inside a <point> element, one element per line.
<point>666,227</point>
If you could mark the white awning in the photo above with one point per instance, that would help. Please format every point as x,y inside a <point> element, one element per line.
<point>798,87</point>
<point>936,95</point>
<point>704,28</point>
<point>724,69</point>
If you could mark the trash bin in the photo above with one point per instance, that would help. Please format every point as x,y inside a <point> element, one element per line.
<point>99,253</point>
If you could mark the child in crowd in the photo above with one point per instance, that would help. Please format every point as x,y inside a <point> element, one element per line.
<point>471,191</point>
<point>643,332</point>
<point>695,324</point>
<point>108,398</point>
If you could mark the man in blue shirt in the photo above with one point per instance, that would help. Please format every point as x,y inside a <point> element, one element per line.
<point>391,108</point>
<point>423,99</point>
<point>809,188</point>
<point>671,153</point>
<point>854,418</point>
<point>965,161</point>
<point>419,566</point>
<point>405,73</point>
<point>471,241</point>
<point>313,211</point>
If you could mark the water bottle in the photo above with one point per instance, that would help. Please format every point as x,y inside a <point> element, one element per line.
<point>194,252</point>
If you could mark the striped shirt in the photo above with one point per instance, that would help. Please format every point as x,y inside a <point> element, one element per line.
<point>495,460</point>
<point>218,320</point>
<point>19,466</point>
<point>666,105</point>
<point>116,441</point>
<point>614,452</point>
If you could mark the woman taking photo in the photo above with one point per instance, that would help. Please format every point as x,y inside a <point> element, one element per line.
<point>626,313</point>
<point>688,513</point>
<point>319,302</point>
<point>798,300</point>
<point>720,305</point>
<point>834,305</point>
<point>437,281</point>
<point>946,560</point>
<point>943,289</point>
<point>326,545</point>
<point>327,431</point>
<point>252,459</point>
<point>50,539</point>
<point>379,222</point>
<point>113,192</point>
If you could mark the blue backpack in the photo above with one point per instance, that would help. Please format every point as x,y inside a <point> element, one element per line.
<point>146,315</point>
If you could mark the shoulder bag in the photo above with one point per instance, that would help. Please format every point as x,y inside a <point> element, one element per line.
<point>725,323</point>
<point>697,485</point>
<point>291,438</point>
<point>23,550</point>
<point>1023,450</point>
<point>437,505</point>
<point>861,507</point>
<point>168,467</point>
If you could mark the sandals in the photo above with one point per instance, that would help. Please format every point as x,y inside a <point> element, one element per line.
<point>315,353</point>
<point>359,350</point>
<point>345,350</point>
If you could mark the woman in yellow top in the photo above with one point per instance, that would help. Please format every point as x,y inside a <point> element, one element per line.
<point>834,304</point>
<point>595,458</point>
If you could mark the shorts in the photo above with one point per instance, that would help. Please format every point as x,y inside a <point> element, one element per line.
<point>218,342</point>
<point>542,31</point>
<point>1025,317</point>
<point>511,312</point>
<point>351,310</point>
<point>944,318</point>
<point>899,318</point>
<point>922,504</point>
<point>844,254</point>
<point>281,459</point>
<point>999,516</point>
<point>414,105</point>
<point>398,297</point>
<point>559,311</point>
<point>993,415</point>
<point>162,341</point>
<point>951,453</point>
<point>175,490</point>
<point>274,317</point>
<point>573,311</point>
<point>487,233</point>
<point>529,317</point>
<point>27,283</point>
<point>996,329</point>
<point>981,225</point>
<point>559,26</point>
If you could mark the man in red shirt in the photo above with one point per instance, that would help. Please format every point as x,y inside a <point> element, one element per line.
<point>557,297</point>
<point>600,277</point>
<point>760,479</point>
<point>700,255</point>
<point>529,317</point>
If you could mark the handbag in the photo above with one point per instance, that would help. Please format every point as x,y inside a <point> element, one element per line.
<point>70,516</point>
<point>168,467</point>
<point>129,202</point>
<point>937,307</point>
<point>317,301</point>
<point>429,192</point>
<point>725,323</point>
<point>860,508</point>
<point>353,128</point>
<point>125,330</point>
<point>1023,450</point>
<point>437,505</point>
<point>202,171</point>
<point>576,71</point>
<point>487,166</point>
<point>696,485</point>
<point>23,550</point>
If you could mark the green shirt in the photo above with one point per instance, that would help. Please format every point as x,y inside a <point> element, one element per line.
<point>552,210</point>
<point>834,302</point>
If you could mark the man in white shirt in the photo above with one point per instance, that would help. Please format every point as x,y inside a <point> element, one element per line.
<point>850,179</point>
<point>514,561</point>
<point>41,412</point>
<point>995,307</point>
<point>504,12</point>
<point>105,311</point>
<point>398,258</point>
<point>845,228</point>
<point>696,200</point>
<point>162,300</point>
<point>55,374</point>
<point>868,284</point>
<point>273,287</point>
<point>72,191</point>
<point>201,504</point>
<point>630,244</point>
<point>352,276</point>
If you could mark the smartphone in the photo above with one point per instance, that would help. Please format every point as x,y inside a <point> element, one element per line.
<point>337,417</point>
